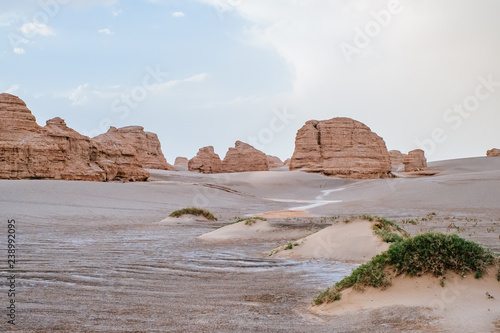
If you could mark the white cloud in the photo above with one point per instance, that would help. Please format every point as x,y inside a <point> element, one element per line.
<point>30,29</point>
<point>172,83</point>
<point>19,50</point>
<point>197,78</point>
<point>13,89</point>
<point>178,14</point>
<point>78,96</point>
<point>408,72</point>
<point>117,12</point>
<point>8,18</point>
<point>106,31</point>
<point>84,94</point>
<point>79,4</point>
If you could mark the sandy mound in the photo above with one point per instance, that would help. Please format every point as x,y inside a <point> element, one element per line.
<point>461,303</point>
<point>241,230</point>
<point>283,214</point>
<point>353,241</point>
<point>259,230</point>
<point>183,219</point>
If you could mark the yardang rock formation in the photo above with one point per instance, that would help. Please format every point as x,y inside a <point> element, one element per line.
<point>340,147</point>
<point>243,157</point>
<point>493,152</point>
<point>29,151</point>
<point>181,161</point>
<point>415,161</point>
<point>206,161</point>
<point>148,147</point>
<point>274,162</point>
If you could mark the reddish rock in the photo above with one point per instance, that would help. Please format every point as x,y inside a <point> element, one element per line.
<point>274,161</point>
<point>206,161</point>
<point>415,161</point>
<point>287,161</point>
<point>181,161</point>
<point>148,147</point>
<point>115,154</point>
<point>243,158</point>
<point>397,159</point>
<point>28,151</point>
<point>493,152</point>
<point>340,147</point>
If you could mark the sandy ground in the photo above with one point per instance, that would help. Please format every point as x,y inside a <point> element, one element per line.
<point>94,257</point>
<point>352,242</point>
<point>462,305</point>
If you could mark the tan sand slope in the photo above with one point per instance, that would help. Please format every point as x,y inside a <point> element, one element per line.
<point>186,218</point>
<point>353,242</point>
<point>461,303</point>
<point>283,214</point>
<point>259,229</point>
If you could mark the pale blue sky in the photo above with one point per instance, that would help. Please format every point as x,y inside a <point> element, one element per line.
<point>210,72</point>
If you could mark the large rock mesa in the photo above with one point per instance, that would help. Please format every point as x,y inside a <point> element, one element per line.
<point>341,147</point>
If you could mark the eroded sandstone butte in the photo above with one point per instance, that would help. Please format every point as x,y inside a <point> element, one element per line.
<point>115,154</point>
<point>493,152</point>
<point>181,161</point>
<point>148,147</point>
<point>29,151</point>
<point>415,161</point>
<point>397,159</point>
<point>206,161</point>
<point>243,157</point>
<point>274,161</point>
<point>341,147</point>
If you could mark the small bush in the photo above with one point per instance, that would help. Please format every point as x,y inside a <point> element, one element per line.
<point>437,253</point>
<point>250,220</point>
<point>432,253</point>
<point>388,231</point>
<point>194,211</point>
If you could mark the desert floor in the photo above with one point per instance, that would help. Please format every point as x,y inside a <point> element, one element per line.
<point>95,257</point>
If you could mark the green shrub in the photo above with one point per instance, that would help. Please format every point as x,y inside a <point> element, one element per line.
<point>437,253</point>
<point>250,220</point>
<point>432,253</point>
<point>194,211</point>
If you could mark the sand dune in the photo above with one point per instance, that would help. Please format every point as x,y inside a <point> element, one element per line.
<point>462,304</point>
<point>353,242</point>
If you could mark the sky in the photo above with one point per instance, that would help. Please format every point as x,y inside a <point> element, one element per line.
<point>421,74</point>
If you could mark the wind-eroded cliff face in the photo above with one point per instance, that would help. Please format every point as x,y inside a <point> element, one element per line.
<point>340,147</point>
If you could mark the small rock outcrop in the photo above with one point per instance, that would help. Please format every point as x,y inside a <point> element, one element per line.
<point>148,147</point>
<point>29,151</point>
<point>493,152</point>
<point>114,153</point>
<point>206,161</point>
<point>243,157</point>
<point>341,147</point>
<point>397,159</point>
<point>415,161</point>
<point>287,161</point>
<point>274,161</point>
<point>181,161</point>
